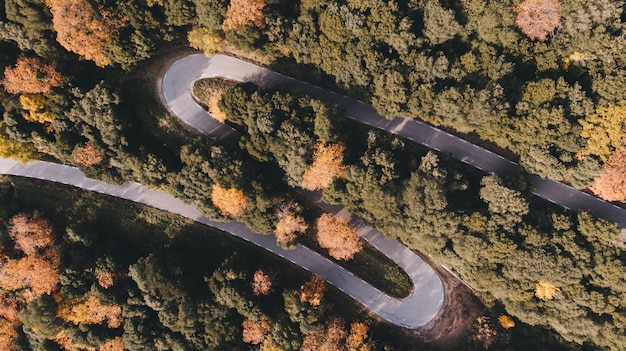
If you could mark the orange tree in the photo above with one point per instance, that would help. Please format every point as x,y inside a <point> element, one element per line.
<point>338,236</point>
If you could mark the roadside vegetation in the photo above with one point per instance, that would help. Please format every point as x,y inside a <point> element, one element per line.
<point>550,92</point>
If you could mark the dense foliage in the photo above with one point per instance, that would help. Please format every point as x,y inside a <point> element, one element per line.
<point>550,90</point>
<point>546,266</point>
<point>104,276</point>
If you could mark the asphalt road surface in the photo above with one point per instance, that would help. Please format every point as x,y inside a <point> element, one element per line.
<point>418,309</point>
<point>176,87</point>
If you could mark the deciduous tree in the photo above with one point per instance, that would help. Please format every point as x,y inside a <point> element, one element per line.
<point>7,334</point>
<point>288,226</point>
<point>538,18</point>
<point>261,283</point>
<point>86,155</point>
<point>327,165</point>
<point>312,291</point>
<point>31,75</point>
<point>244,13</point>
<point>611,184</point>
<point>338,236</point>
<point>544,290</point>
<point>89,311</point>
<point>230,202</point>
<point>255,332</point>
<point>356,340</point>
<point>330,337</point>
<point>31,233</point>
<point>83,30</point>
<point>204,39</point>
<point>35,105</point>
<point>604,130</point>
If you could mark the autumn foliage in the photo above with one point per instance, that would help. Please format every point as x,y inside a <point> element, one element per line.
<point>25,278</point>
<point>214,108</point>
<point>506,322</point>
<point>261,283</point>
<point>611,184</point>
<point>36,107</point>
<point>312,291</point>
<point>30,233</point>
<point>288,226</point>
<point>86,155</point>
<point>330,337</point>
<point>255,332</point>
<point>32,76</point>
<point>327,165</point>
<point>538,18</point>
<point>230,202</point>
<point>338,236</point>
<point>89,311</point>
<point>545,290</point>
<point>244,13</point>
<point>83,30</point>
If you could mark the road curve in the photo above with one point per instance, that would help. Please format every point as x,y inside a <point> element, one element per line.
<point>427,296</point>
<point>416,310</point>
<point>175,92</point>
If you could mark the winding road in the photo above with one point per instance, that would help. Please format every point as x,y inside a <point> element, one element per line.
<point>178,80</point>
<point>427,297</point>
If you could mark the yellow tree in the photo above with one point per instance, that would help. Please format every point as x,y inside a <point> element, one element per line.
<point>611,184</point>
<point>230,202</point>
<point>538,18</point>
<point>327,165</point>
<point>89,311</point>
<point>356,340</point>
<point>605,130</point>
<point>35,105</point>
<point>83,30</point>
<point>544,290</point>
<point>12,149</point>
<point>244,13</point>
<point>255,332</point>
<point>338,236</point>
<point>204,39</point>
<point>312,291</point>
<point>32,76</point>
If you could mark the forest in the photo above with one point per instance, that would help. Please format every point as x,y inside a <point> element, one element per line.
<point>78,88</point>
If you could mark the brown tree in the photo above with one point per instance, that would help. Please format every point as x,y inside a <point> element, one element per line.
<point>30,233</point>
<point>537,19</point>
<point>330,337</point>
<point>338,236</point>
<point>255,332</point>
<point>312,291</point>
<point>116,344</point>
<point>244,13</point>
<point>86,155</point>
<point>32,276</point>
<point>261,283</point>
<point>289,225</point>
<point>230,202</point>
<point>611,184</point>
<point>7,334</point>
<point>327,165</point>
<point>32,76</point>
<point>83,30</point>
